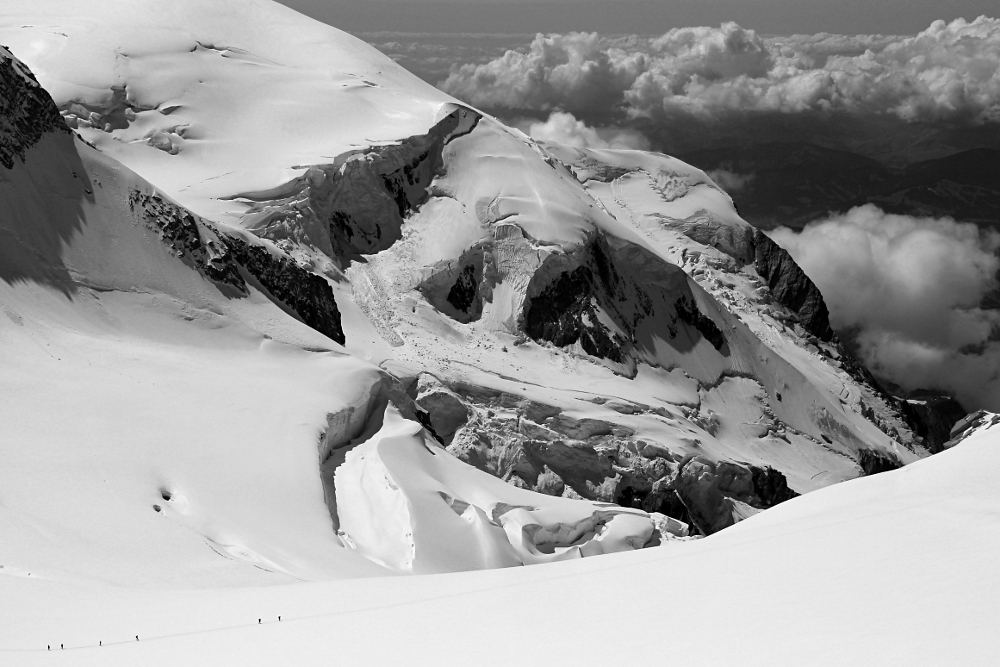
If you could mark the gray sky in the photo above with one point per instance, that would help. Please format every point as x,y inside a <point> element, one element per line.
<point>639,16</point>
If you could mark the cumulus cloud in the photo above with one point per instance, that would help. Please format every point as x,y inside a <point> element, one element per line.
<point>911,288</point>
<point>564,128</point>
<point>949,71</point>
<point>730,181</point>
<point>431,55</point>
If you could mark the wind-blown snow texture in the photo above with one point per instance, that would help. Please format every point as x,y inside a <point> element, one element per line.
<point>416,341</point>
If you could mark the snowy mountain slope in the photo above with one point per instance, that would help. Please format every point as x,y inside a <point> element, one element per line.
<point>166,409</point>
<point>849,574</point>
<point>207,99</point>
<point>584,323</point>
<point>194,432</point>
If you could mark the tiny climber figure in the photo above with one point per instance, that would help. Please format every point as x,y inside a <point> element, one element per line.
<point>279,619</point>
<point>48,647</point>
<point>258,621</point>
<point>137,637</point>
<point>62,648</point>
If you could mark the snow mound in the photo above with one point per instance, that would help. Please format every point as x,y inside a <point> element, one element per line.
<point>407,503</point>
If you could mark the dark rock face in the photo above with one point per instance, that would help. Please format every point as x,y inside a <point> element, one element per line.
<point>770,486</point>
<point>179,230</point>
<point>539,447</point>
<point>27,112</point>
<point>708,489</point>
<point>219,257</point>
<point>932,418</point>
<point>737,242</point>
<point>872,462</point>
<point>460,289</point>
<point>687,311</point>
<point>365,201</point>
<point>462,295</point>
<point>308,294</point>
<point>564,314</point>
<point>791,287</point>
<point>664,501</point>
<point>605,284</point>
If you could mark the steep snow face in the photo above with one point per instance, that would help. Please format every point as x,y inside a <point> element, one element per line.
<point>172,390</point>
<point>525,262</point>
<point>161,403</point>
<point>210,99</point>
<point>516,264</point>
<point>619,287</point>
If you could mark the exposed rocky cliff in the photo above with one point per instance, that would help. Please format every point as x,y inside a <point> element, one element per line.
<point>304,292</point>
<point>192,242</point>
<point>791,287</point>
<point>357,204</point>
<point>220,257</point>
<point>933,417</point>
<point>539,447</point>
<point>476,281</point>
<point>26,110</point>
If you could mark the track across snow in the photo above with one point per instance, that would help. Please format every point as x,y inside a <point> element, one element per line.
<point>841,576</point>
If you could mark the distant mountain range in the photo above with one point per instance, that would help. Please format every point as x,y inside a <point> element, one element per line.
<point>791,184</point>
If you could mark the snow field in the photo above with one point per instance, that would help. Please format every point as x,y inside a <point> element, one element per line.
<point>840,576</point>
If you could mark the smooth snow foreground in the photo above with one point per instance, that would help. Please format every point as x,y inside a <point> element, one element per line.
<point>896,569</point>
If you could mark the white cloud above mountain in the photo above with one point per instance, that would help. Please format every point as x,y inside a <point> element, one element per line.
<point>948,71</point>
<point>730,181</point>
<point>911,288</point>
<point>564,128</point>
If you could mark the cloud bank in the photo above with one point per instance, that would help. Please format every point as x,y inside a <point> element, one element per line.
<point>950,71</point>
<point>911,288</point>
<point>564,128</point>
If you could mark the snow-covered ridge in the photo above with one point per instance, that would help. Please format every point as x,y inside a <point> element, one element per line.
<point>210,99</point>
<point>462,251</point>
<point>195,352</point>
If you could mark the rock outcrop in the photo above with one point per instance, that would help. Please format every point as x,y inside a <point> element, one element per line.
<point>971,424</point>
<point>307,294</point>
<point>615,280</point>
<point>357,204</point>
<point>791,287</point>
<point>541,448</point>
<point>188,240</point>
<point>27,112</point>
<point>447,412</point>
<point>220,257</point>
<point>932,417</point>
<point>872,462</point>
